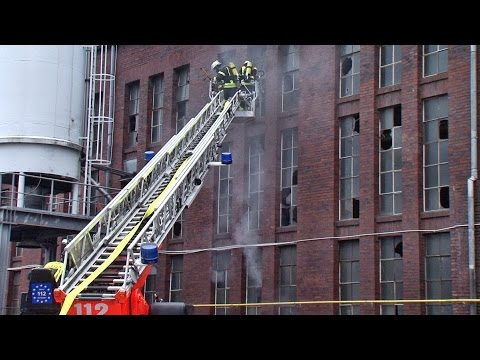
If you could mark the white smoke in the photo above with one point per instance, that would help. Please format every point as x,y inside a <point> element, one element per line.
<point>242,235</point>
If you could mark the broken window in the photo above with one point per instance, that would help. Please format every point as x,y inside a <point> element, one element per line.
<point>390,174</point>
<point>177,229</point>
<point>390,65</point>
<point>176,275</point>
<point>289,169</point>
<point>255,182</point>
<point>391,274</point>
<point>222,265</point>
<point>349,203</point>
<point>157,108</point>
<point>438,273</point>
<point>253,264</point>
<point>435,59</point>
<point>349,281</point>
<point>133,108</point>
<point>288,278</point>
<point>435,153</point>
<point>224,198</point>
<point>290,78</point>
<point>349,70</point>
<point>182,96</point>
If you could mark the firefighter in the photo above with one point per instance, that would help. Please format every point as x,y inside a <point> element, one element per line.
<point>248,75</point>
<point>226,78</point>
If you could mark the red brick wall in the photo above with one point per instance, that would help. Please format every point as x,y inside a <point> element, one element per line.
<point>317,120</point>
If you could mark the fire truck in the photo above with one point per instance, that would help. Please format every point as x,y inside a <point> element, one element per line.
<point>106,265</point>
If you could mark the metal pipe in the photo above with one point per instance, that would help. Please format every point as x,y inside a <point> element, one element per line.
<point>102,190</point>
<point>472,178</point>
<point>75,193</point>
<point>21,190</point>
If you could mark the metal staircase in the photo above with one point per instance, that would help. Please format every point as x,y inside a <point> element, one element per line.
<point>103,269</point>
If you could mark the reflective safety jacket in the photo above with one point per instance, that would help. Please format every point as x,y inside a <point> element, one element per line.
<point>228,76</point>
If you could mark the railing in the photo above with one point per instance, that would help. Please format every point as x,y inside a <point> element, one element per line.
<point>106,224</point>
<point>182,188</point>
<point>50,195</point>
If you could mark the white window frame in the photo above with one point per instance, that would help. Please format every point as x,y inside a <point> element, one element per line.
<point>157,93</point>
<point>436,53</point>
<point>354,54</point>
<point>394,64</point>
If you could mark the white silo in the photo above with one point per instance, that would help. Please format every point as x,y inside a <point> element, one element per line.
<point>41,109</point>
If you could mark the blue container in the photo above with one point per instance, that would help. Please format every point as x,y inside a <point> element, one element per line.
<point>226,158</point>
<point>149,253</point>
<point>148,155</point>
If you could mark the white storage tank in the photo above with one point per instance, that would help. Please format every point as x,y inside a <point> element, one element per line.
<point>41,109</point>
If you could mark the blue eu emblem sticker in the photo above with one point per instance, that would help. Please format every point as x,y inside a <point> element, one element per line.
<point>41,293</point>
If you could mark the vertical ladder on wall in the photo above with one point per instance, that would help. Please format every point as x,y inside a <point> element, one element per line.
<point>100,89</point>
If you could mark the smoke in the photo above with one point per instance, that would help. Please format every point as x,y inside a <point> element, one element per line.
<point>242,235</point>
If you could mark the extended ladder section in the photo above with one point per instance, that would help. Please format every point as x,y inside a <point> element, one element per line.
<point>103,270</point>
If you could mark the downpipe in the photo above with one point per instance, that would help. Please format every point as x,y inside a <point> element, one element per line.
<point>473,177</point>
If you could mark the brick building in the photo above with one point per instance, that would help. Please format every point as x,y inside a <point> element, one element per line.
<point>352,178</point>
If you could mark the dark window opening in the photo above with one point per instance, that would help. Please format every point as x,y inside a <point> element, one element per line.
<point>386,139</point>
<point>445,197</point>
<point>443,129</point>
<point>356,126</point>
<point>177,229</point>
<point>132,124</point>
<point>399,249</point>
<point>346,66</point>
<point>356,208</point>
<point>397,116</point>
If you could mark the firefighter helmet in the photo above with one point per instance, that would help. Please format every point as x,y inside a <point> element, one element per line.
<point>215,64</point>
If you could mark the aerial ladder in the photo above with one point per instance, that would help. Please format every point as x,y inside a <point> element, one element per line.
<point>106,265</point>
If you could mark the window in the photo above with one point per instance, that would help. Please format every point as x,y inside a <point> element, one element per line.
<point>224,196</point>
<point>435,154</point>
<point>390,65</point>
<point>435,59</point>
<point>349,276</point>
<point>288,181</point>
<point>290,80</point>
<point>222,264</point>
<point>349,70</point>
<point>349,167</point>
<point>256,53</point>
<point>18,251</point>
<point>390,160</point>
<point>176,274</point>
<point>253,260</point>
<point>181,97</point>
<point>177,229</point>
<point>157,108</point>
<point>14,308</point>
<point>288,278</point>
<point>255,182</point>
<point>391,274</point>
<point>133,109</point>
<point>150,288</point>
<point>438,275</point>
